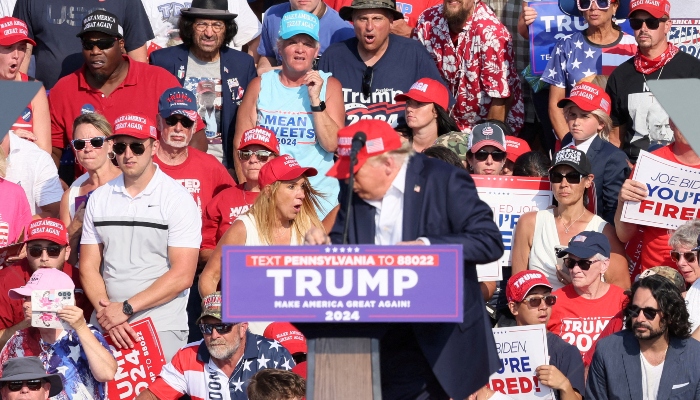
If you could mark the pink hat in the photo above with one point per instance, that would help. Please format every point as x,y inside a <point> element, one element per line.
<point>13,30</point>
<point>284,168</point>
<point>427,90</point>
<point>43,279</point>
<point>288,335</point>
<point>588,97</point>
<point>657,8</point>
<point>50,229</point>
<point>515,147</point>
<point>262,136</point>
<point>135,125</point>
<point>520,284</point>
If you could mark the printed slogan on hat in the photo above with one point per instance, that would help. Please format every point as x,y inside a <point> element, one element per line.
<point>674,193</point>
<point>521,350</point>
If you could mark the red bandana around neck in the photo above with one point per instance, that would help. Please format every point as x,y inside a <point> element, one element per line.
<point>647,66</point>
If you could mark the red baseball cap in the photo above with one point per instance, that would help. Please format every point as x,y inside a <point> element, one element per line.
<point>262,136</point>
<point>13,30</point>
<point>284,168</point>
<point>515,147</point>
<point>135,125</point>
<point>300,369</point>
<point>50,229</point>
<point>427,90</point>
<point>657,8</point>
<point>381,137</point>
<point>288,335</point>
<point>588,97</point>
<point>520,284</point>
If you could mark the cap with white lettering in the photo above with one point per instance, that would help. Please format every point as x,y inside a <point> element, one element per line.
<point>520,284</point>
<point>135,125</point>
<point>574,158</point>
<point>260,136</point>
<point>13,30</point>
<point>587,97</point>
<point>101,21</point>
<point>427,90</point>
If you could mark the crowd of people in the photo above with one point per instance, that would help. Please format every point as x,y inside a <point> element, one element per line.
<point>164,131</point>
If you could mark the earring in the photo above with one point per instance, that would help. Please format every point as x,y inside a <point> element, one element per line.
<point>111,155</point>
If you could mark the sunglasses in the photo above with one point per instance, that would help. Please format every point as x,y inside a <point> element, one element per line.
<point>585,5</point>
<point>53,250</point>
<point>102,44</point>
<point>136,148</point>
<point>262,155</point>
<point>633,311</point>
<point>535,301</point>
<point>96,142</point>
<point>367,81</point>
<point>585,265</point>
<point>208,329</point>
<point>689,256</point>
<point>483,155</point>
<point>16,386</point>
<point>185,122</point>
<point>652,23</point>
<point>217,27</point>
<point>571,177</point>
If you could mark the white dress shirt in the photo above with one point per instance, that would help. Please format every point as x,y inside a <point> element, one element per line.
<point>388,217</point>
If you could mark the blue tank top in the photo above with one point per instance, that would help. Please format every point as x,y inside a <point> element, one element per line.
<point>287,112</point>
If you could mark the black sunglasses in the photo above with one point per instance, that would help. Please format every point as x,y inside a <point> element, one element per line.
<point>571,177</point>
<point>585,5</point>
<point>367,81</point>
<point>53,250</point>
<point>632,311</point>
<point>652,23</point>
<point>585,265</point>
<point>16,386</point>
<point>102,44</point>
<point>96,142</point>
<point>262,155</point>
<point>483,155</point>
<point>136,148</point>
<point>689,256</point>
<point>173,120</point>
<point>535,301</point>
<point>208,329</point>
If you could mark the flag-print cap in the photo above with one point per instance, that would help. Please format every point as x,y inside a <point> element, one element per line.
<point>587,97</point>
<point>284,168</point>
<point>13,30</point>
<point>50,229</point>
<point>487,134</point>
<point>261,136</point>
<point>520,284</point>
<point>381,137</point>
<point>178,101</point>
<point>587,244</point>
<point>211,306</point>
<point>574,158</point>
<point>657,8</point>
<point>135,125</point>
<point>427,90</point>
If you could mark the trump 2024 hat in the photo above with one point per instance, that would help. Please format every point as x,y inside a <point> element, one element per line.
<point>587,97</point>
<point>381,137</point>
<point>284,168</point>
<point>102,21</point>
<point>587,244</point>
<point>178,101</point>
<point>427,90</point>
<point>574,158</point>
<point>135,125</point>
<point>13,30</point>
<point>50,229</point>
<point>657,8</point>
<point>520,284</point>
<point>43,279</point>
<point>260,136</point>
<point>298,22</point>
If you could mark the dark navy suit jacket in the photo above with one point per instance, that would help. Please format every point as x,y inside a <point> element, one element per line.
<point>609,165</point>
<point>237,70</point>
<point>441,204</point>
<point>616,370</point>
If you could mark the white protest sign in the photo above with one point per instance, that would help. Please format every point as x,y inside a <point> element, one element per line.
<point>674,193</point>
<point>521,349</point>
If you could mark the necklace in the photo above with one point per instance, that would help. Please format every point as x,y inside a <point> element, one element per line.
<point>657,78</point>
<point>566,228</point>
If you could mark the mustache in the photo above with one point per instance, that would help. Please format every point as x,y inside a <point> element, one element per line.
<point>640,324</point>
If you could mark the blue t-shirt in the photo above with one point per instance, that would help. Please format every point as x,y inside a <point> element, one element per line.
<point>568,360</point>
<point>332,29</point>
<point>404,62</point>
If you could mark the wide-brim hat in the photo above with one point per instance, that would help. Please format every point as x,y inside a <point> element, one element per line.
<point>346,12</point>
<point>570,7</point>
<point>28,368</point>
<point>211,9</point>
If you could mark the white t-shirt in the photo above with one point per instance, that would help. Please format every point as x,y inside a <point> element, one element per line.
<point>651,376</point>
<point>6,7</point>
<point>692,299</point>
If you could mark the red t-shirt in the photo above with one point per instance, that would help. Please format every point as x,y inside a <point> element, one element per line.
<point>411,9</point>
<point>223,209</point>
<point>580,321</point>
<point>616,324</point>
<point>201,174</point>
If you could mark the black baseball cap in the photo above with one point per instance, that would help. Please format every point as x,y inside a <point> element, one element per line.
<point>102,21</point>
<point>574,158</point>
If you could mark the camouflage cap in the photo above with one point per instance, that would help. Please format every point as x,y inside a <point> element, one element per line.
<point>211,306</point>
<point>667,272</point>
<point>455,141</point>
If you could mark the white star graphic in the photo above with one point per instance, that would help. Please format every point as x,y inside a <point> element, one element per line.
<point>342,249</point>
<point>335,249</point>
<point>578,44</point>
<point>238,385</point>
<point>357,249</point>
<point>246,365</point>
<point>567,36</point>
<point>276,362</point>
<point>275,345</point>
<point>558,50</point>
<point>62,370</point>
<point>589,53</point>
<point>262,361</point>
<point>576,64</point>
<point>588,73</point>
<point>552,73</point>
<point>74,353</point>
<point>349,249</point>
<point>328,249</point>
<point>286,365</point>
<point>563,65</point>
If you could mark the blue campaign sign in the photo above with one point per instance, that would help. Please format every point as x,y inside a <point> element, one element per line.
<point>346,283</point>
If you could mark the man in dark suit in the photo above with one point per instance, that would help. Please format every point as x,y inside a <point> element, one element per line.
<point>406,198</point>
<point>654,357</point>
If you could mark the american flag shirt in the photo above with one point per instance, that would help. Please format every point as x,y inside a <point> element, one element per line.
<point>575,58</point>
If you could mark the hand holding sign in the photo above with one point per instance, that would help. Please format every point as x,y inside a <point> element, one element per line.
<point>552,377</point>
<point>632,190</point>
<point>528,14</point>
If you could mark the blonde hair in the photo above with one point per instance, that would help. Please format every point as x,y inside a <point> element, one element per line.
<point>97,120</point>
<point>3,163</point>
<point>264,211</point>
<point>602,117</point>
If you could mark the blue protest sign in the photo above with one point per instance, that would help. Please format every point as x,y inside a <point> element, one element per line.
<point>342,283</point>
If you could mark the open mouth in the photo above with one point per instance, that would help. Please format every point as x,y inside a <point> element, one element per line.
<point>370,38</point>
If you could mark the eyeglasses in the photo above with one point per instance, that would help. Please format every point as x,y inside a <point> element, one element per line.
<point>16,386</point>
<point>208,329</point>
<point>262,155</point>
<point>483,155</point>
<point>185,122</point>
<point>632,311</point>
<point>53,250</point>
<point>96,142</point>
<point>102,44</point>
<point>571,177</point>
<point>585,265</point>
<point>585,5</point>
<point>217,27</point>
<point>652,23</point>
<point>367,81</point>
<point>136,148</point>
<point>689,256</point>
<point>535,301</point>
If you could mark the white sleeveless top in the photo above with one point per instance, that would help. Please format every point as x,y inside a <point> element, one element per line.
<point>543,257</point>
<point>251,228</point>
<point>74,191</point>
<point>692,299</point>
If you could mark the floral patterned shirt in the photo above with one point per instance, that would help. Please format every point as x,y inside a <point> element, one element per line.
<point>480,68</point>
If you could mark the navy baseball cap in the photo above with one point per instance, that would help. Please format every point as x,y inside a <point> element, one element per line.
<point>587,244</point>
<point>178,101</point>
